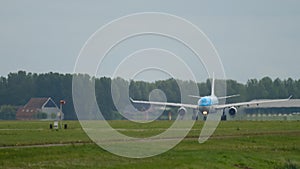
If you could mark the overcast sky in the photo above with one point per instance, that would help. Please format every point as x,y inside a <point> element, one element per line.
<point>254,38</point>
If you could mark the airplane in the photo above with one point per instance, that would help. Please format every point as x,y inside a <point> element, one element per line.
<point>210,104</point>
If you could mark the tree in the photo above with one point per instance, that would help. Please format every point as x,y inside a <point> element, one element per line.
<point>17,88</point>
<point>289,84</point>
<point>252,89</point>
<point>8,112</point>
<point>266,88</point>
<point>278,88</point>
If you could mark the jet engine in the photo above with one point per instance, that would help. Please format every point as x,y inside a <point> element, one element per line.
<point>181,112</point>
<point>232,111</point>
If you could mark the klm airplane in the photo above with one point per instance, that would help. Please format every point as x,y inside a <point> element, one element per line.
<point>209,104</point>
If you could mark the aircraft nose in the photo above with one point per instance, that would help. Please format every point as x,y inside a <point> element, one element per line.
<point>204,101</point>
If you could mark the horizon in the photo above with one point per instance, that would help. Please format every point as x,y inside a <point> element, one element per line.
<point>147,81</point>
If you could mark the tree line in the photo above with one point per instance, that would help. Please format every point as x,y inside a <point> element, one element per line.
<point>17,88</point>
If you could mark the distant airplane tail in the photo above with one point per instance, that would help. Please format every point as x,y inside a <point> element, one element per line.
<point>213,91</point>
<point>213,85</point>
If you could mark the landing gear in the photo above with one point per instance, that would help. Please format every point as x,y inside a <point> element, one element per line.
<point>223,117</point>
<point>195,115</point>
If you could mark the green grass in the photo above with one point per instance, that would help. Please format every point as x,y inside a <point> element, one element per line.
<point>245,144</point>
<point>38,132</point>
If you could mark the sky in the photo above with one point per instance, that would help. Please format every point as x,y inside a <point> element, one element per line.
<point>253,38</point>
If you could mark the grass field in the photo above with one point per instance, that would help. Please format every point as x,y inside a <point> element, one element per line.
<point>235,144</point>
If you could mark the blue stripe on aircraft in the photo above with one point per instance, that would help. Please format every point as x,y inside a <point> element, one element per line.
<point>205,101</point>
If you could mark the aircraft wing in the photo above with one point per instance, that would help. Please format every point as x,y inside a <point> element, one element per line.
<point>226,97</point>
<point>250,103</point>
<point>165,104</point>
<point>194,96</point>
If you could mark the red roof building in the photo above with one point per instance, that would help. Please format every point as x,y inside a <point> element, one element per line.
<point>30,111</point>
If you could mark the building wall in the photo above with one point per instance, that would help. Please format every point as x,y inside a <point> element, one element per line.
<point>50,111</point>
